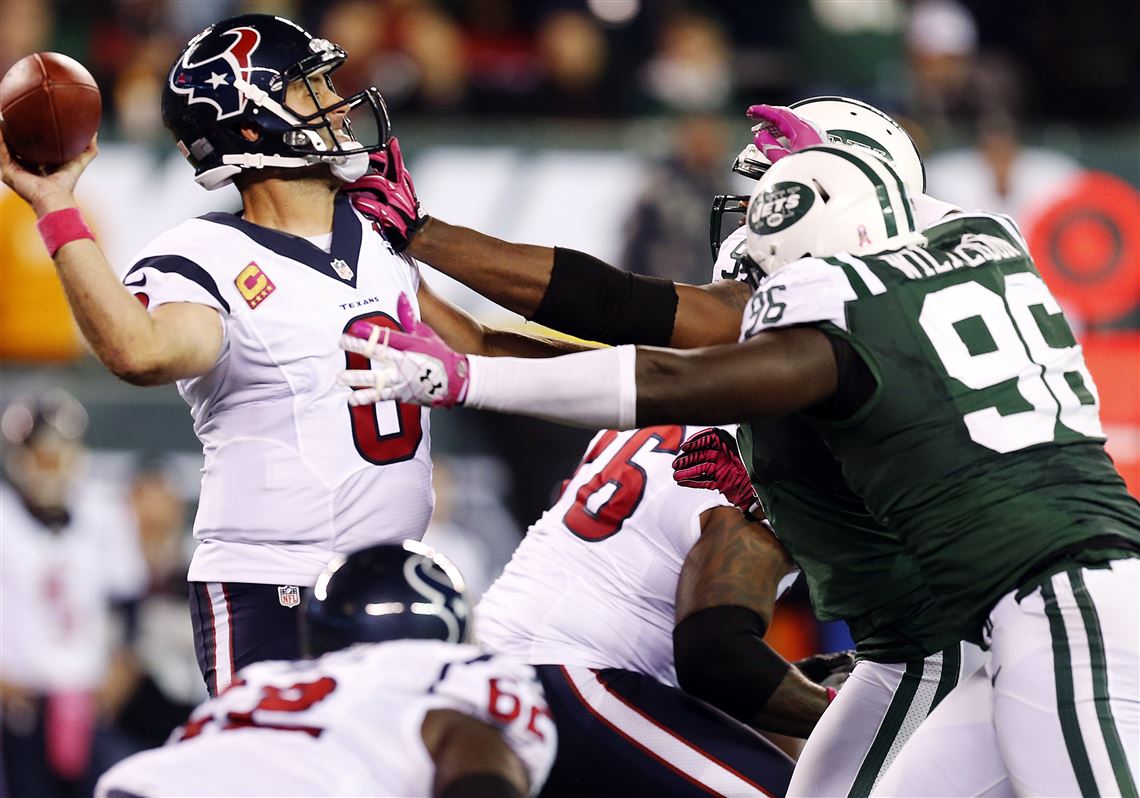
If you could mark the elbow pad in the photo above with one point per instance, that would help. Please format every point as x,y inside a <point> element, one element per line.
<point>590,299</point>
<point>721,658</point>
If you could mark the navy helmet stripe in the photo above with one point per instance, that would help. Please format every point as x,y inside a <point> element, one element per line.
<point>176,264</point>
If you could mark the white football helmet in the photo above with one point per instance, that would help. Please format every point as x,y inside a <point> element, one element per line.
<point>843,121</point>
<point>825,200</point>
<point>856,124</point>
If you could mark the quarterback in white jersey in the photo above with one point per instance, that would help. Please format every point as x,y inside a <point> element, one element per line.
<point>349,723</point>
<point>243,312</point>
<point>395,703</point>
<point>286,462</point>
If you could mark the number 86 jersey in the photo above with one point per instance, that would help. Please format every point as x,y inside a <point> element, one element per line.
<point>981,443</point>
<point>291,474</point>
<point>348,723</point>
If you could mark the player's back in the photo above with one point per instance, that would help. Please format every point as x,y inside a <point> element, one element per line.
<point>594,581</point>
<point>982,444</point>
<point>348,723</point>
<point>286,460</point>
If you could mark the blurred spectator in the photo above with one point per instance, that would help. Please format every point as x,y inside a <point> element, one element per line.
<point>952,82</point>
<point>691,69</point>
<point>848,48</point>
<point>69,553</point>
<point>572,56</point>
<point>435,43</point>
<point>668,232</point>
<point>999,173</point>
<point>165,682</point>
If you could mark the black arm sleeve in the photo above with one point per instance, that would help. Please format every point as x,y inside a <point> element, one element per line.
<point>721,657</point>
<point>590,299</point>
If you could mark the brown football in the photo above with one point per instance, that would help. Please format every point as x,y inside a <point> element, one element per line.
<point>50,108</point>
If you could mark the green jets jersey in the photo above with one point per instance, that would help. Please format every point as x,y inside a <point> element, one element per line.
<point>981,444</point>
<point>855,568</point>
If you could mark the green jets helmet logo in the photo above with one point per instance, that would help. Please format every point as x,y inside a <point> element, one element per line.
<point>779,207</point>
<point>859,141</point>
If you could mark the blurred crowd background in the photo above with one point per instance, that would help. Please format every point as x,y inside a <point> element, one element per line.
<point>607,125</point>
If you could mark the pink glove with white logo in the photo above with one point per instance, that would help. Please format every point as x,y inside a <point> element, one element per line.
<point>781,132</point>
<point>415,365</point>
<point>386,195</point>
<point>709,459</point>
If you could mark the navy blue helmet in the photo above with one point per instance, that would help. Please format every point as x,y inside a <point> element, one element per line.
<point>234,74</point>
<point>385,592</point>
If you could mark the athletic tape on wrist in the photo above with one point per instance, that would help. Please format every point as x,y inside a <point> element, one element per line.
<point>62,227</point>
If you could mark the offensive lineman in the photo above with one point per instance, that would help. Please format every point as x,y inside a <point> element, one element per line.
<point>395,702</point>
<point>941,372</point>
<point>855,568</point>
<point>629,586</point>
<point>243,313</point>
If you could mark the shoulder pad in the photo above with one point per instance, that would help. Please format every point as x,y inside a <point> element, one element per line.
<point>809,291</point>
<point>727,265</point>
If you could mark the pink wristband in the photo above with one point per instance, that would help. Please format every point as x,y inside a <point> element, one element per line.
<point>62,227</point>
<point>831,694</point>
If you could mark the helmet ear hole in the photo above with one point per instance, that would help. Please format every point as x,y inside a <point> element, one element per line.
<point>248,133</point>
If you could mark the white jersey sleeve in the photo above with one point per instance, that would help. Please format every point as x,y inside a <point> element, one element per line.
<point>727,265</point>
<point>170,269</point>
<point>808,291</point>
<point>291,474</point>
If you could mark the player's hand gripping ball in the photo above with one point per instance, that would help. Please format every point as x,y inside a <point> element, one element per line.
<point>49,109</point>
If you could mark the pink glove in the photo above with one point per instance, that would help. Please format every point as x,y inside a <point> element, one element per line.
<point>781,132</point>
<point>416,365</point>
<point>709,459</point>
<point>386,195</point>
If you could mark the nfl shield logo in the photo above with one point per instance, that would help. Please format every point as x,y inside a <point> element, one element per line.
<point>289,595</point>
<point>342,269</point>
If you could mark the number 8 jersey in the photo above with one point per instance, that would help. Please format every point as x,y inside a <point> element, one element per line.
<point>981,442</point>
<point>291,473</point>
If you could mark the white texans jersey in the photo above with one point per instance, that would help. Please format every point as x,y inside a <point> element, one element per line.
<point>927,211</point>
<point>57,587</point>
<point>348,723</point>
<point>292,474</point>
<point>594,581</point>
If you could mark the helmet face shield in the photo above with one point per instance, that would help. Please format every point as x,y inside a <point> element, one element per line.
<point>725,207</point>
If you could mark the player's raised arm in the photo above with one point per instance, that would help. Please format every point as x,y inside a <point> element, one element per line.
<point>465,334</point>
<point>560,288</point>
<point>773,374</point>
<point>178,340</point>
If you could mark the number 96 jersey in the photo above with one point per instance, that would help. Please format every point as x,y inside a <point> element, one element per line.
<point>348,723</point>
<point>981,443</point>
<point>292,474</point>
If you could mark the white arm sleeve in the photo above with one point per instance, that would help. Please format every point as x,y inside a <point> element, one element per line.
<point>595,389</point>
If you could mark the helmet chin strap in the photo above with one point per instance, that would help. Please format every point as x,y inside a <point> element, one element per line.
<point>348,168</point>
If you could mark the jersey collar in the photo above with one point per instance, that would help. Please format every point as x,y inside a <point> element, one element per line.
<point>345,241</point>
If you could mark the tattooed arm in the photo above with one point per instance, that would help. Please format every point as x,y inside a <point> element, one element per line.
<point>725,598</point>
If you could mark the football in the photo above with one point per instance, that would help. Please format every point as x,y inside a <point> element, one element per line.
<point>49,109</point>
